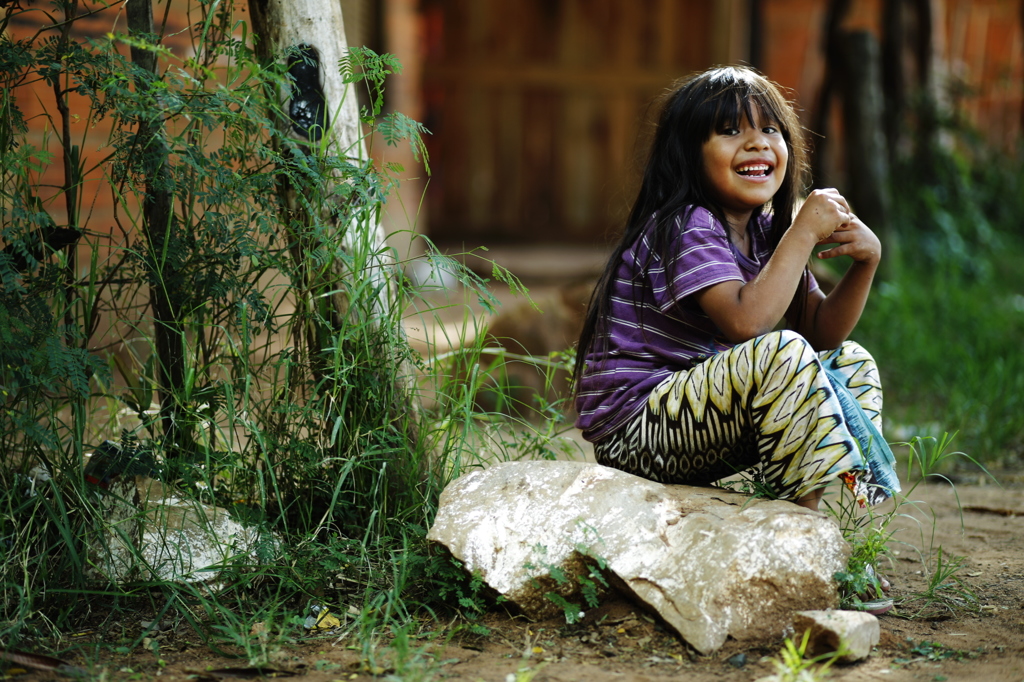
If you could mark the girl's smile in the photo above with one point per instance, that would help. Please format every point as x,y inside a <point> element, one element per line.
<point>745,166</point>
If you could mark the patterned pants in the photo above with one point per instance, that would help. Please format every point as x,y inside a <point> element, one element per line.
<point>765,405</point>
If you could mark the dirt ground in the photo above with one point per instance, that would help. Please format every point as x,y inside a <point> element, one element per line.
<point>975,632</point>
<point>980,640</point>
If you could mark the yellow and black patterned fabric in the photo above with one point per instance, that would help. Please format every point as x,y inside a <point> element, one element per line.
<point>767,406</point>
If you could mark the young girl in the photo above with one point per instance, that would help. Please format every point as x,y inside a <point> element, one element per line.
<point>680,377</point>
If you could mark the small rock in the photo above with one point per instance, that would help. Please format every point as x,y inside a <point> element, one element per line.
<point>738,661</point>
<point>141,532</point>
<point>156,626</point>
<point>830,630</point>
<point>183,539</point>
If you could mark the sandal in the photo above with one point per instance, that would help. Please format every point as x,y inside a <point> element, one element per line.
<point>876,607</point>
<point>874,600</point>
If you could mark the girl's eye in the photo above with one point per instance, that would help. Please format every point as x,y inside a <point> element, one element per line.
<point>769,130</point>
<point>730,131</point>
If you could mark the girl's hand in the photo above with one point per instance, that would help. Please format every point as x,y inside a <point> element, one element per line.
<point>856,240</point>
<point>824,212</point>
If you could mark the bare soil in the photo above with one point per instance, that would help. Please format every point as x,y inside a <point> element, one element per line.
<point>954,639</point>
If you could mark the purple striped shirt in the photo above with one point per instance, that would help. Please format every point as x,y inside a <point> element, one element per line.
<point>654,326</point>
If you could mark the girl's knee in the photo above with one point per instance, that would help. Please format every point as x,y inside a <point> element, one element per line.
<point>854,349</point>
<point>849,353</point>
<point>789,340</point>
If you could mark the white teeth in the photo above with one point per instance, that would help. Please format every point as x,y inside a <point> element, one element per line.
<point>761,167</point>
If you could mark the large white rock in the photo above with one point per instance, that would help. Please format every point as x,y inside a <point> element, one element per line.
<point>711,563</point>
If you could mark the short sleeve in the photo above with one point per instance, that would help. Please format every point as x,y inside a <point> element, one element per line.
<point>702,256</point>
<point>812,283</point>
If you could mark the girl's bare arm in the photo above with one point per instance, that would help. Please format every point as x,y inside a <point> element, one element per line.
<point>830,320</point>
<point>745,310</point>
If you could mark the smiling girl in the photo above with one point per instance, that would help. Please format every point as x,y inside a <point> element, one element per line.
<point>680,377</point>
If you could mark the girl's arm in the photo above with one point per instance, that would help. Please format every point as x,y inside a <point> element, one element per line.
<point>745,310</point>
<point>828,320</point>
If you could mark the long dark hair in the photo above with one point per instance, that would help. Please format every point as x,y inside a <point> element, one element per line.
<point>674,179</point>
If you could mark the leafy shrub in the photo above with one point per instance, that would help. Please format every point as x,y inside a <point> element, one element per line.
<point>945,321</point>
<point>241,319</point>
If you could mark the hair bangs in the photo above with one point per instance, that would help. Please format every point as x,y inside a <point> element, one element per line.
<point>732,94</point>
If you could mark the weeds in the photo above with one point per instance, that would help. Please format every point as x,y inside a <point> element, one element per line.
<point>792,665</point>
<point>259,638</point>
<point>869,540</point>
<point>945,591</point>
<point>249,341</point>
<point>585,578</point>
<point>944,358</point>
<point>452,584</point>
<point>931,456</point>
<point>934,652</point>
<point>871,535</point>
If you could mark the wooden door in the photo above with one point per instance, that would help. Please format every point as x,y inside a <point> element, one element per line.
<point>536,107</point>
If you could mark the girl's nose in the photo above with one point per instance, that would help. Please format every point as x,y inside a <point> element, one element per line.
<point>757,140</point>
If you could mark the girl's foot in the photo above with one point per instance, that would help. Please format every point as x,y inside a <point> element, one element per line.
<point>874,599</point>
<point>883,584</point>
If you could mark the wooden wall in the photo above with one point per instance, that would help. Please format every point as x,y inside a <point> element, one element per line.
<point>984,56</point>
<point>978,55</point>
<point>537,105</point>
<point>535,108</point>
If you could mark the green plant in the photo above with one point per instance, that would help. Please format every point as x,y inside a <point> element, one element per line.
<point>946,360</point>
<point>238,318</point>
<point>929,454</point>
<point>452,584</point>
<point>869,537</point>
<point>260,639</point>
<point>411,664</point>
<point>933,652</point>
<point>792,665</point>
<point>870,534</point>
<point>525,673</point>
<point>586,572</point>
<point>945,590</point>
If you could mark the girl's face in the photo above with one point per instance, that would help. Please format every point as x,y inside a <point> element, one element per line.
<point>745,165</point>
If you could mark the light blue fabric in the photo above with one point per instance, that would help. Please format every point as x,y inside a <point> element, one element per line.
<point>879,458</point>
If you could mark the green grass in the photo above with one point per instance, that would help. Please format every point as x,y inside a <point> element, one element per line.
<point>281,383</point>
<point>795,665</point>
<point>948,345</point>
<point>293,413</point>
<point>872,535</point>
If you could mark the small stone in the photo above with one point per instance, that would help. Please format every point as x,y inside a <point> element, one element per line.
<point>738,661</point>
<point>831,630</point>
<point>142,533</point>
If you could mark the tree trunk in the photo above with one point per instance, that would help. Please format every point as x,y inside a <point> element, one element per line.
<point>867,165</point>
<point>161,231</point>
<point>894,77</point>
<point>322,110</point>
<point>908,74</point>
<point>931,98</point>
<point>830,49</point>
